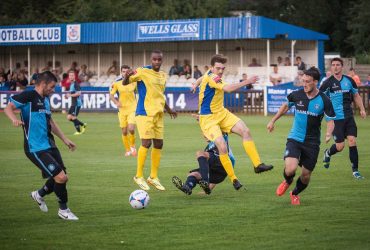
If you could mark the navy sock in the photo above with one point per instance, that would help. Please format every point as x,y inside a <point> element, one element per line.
<point>79,122</point>
<point>60,190</point>
<point>353,156</point>
<point>76,124</point>
<point>300,186</point>
<point>203,168</point>
<point>288,179</point>
<point>332,150</point>
<point>191,181</point>
<point>47,188</point>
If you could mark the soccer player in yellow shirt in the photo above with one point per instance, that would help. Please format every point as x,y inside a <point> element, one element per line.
<point>126,104</point>
<point>214,118</point>
<point>149,116</point>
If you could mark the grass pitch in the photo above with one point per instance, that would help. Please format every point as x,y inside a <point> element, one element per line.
<point>334,211</point>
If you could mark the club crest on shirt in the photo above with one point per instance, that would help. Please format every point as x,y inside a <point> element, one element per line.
<point>51,167</point>
<point>317,106</point>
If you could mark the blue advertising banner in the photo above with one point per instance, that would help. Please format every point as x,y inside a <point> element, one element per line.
<point>171,29</point>
<point>20,35</point>
<point>276,96</point>
<point>97,101</point>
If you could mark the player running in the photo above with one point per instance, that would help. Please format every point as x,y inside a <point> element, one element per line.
<point>303,144</point>
<point>215,119</point>
<point>126,104</point>
<point>341,89</point>
<point>39,144</point>
<point>74,110</point>
<point>149,116</point>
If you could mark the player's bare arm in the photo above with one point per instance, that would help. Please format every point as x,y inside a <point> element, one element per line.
<point>9,111</point>
<point>282,110</point>
<point>329,130</point>
<point>196,84</point>
<point>359,103</point>
<point>58,132</point>
<point>232,87</point>
<point>126,77</point>
<point>171,112</point>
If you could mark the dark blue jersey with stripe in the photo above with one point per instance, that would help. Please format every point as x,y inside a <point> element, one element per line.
<point>75,87</point>
<point>340,94</point>
<point>36,115</point>
<point>212,148</point>
<point>308,116</point>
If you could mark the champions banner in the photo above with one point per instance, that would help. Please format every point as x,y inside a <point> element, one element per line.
<point>276,96</point>
<point>98,101</point>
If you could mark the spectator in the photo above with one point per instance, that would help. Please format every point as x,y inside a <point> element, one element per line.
<point>11,83</point>
<point>66,83</point>
<point>25,67</point>
<point>34,76</point>
<point>356,78</point>
<point>246,87</point>
<point>287,61</point>
<point>73,67</point>
<point>275,77</point>
<point>48,67</point>
<point>186,63</point>
<point>2,72</point>
<point>85,74</point>
<point>298,79</point>
<point>54,71</point>
<point>197,72</point>
<point>176,69</point>
<point>301,65</point>
<point>328,74</point>
<point>206,68</point>
<point>21,81</point>
<point>367,82</point>
<point>58,68</point>
<point>280,61</point>
<point>2,82</point>
<point>187,71</point>
<point>254,63</point>
<point>113,69</point>
<point>17,69</point>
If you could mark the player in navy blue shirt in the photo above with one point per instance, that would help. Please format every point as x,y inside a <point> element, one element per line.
<point>39,145</point>
<point>74,110</point>
<point>341,90</point>
<point>303,144</point>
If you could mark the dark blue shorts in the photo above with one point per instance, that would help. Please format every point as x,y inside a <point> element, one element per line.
<point>344,128</point>
<point>305,153</point>
<point>48,161</point>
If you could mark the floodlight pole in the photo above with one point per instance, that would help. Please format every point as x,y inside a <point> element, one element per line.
<point>292,56</point>
<point>29,63</point>
<point>120,56</point>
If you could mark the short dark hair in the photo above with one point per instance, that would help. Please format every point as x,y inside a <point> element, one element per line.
<point>336,59</point>
<point>218,58</point>
<point>46,77</point>
<point>298,57</point>
<point>313,72</point>
<point>71,71</point>
<point>125,67</point>
<point>157,51</point>
<point>352,69</point>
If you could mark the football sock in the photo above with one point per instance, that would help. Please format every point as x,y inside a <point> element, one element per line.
<point>125,142</point>
<point>156,159</point>
<point>76,124</point>
<point>333,150</point>
<point>131,138</point>
<point>228,166</point>
<point>203,168</point>
<point>60,191</point>
<point>47,188</point>
<point>353,156</point>
<point>191,181</point>
<point>141,157</point>
<point>288,179</point>
<point>251,150</point>
<point>79,122</point>
<point>300,186</point>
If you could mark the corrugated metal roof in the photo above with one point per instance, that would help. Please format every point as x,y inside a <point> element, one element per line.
<point>226,28</point>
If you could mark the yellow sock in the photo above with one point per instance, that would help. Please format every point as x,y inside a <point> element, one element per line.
<point>141,157</point>
<point>131,138</point>
<point>228,166</point>
<point>125,142</point>
<point>156,159</point>
<point>251,150</point>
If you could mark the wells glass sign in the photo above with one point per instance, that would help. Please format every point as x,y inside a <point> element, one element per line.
<point>186,29</point>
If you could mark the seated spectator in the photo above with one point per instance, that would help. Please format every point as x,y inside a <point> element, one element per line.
<point>367,82</point>
<point>113,69</point>
<point>176,69</point>
<point>187,71</point>
<point>25,67</point>
<point>298,79</point>
<point>17,69</point>
<point>58,68</point>
<point>245,77</point>
<point>327,75</point>
<point>21,81</point>
<point>2,82</point>
<point>85,74</point>
<point>11,83</point>
<point>254,63</point>
<point>280,61</point>
<point>73,67</point>
<point>301,65</point>
<point>197,72</point>
<point>275,77</point>
<point>356,78</point>
<point>48,67</point>
<point>287,61</point>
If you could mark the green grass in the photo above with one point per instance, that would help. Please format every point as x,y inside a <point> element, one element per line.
<point>335,210</point>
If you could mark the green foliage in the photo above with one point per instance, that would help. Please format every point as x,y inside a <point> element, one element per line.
<point>334,213</point>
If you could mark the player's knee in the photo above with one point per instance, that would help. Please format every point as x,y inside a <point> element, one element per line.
<point>200,154</point>
<point>131,131</point>
<point>222,148</point>
<point>61,177</point>
<point>158,143</point>
<point>351,141</point>
<point>146,143</point>
<point>246,133</point>
<point>69,117</point>
<point>305,178</point>
<point>340,146</point>
<point>196,175</point>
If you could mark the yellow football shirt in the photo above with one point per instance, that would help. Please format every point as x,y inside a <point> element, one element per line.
<point>126,96</point>
<point>211,94</point>
<point>150,86</point>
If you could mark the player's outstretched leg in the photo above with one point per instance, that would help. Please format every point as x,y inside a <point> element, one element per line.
<point>205,186</point>
<point>39,200</point>
<point>262,168</point>
<point>182,187</point>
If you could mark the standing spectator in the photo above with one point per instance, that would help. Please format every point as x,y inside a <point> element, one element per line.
<point>85,74</point>
<point>113,69</point>
<point>287,61</point>
<point>254,63</point>
<point>66,83</point>
<point>48,67</point>
<point>280,61</point>
<point>176,69</point>
<point>197,72</point>
<point>301,65</point>
<point>73,67</point>
<point>187,71</point>
<point>275,77</point>
<point>244,78</point>
<point>356,78</point>
<point>58,68</point>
